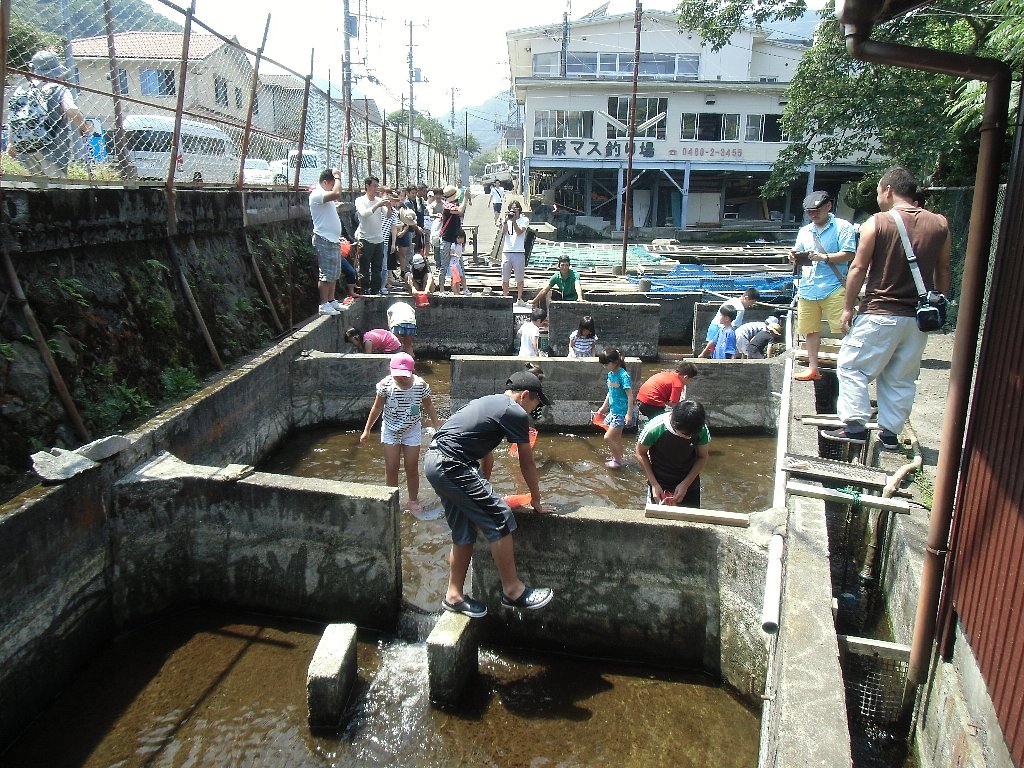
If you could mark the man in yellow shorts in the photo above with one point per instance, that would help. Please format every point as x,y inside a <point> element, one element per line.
<point>823,251</point>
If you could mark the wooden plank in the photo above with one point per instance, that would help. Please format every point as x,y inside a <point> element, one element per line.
<point>866,499</point>
<point>694,515</point>
<point>864,646</point>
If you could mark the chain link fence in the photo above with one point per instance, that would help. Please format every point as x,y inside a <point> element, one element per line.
<point>99,95</point>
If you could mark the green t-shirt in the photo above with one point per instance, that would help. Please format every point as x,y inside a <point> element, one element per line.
<point>566,286</point>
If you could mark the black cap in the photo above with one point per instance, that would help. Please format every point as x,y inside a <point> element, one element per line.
<point>524,381</point>
<point>816,200</point>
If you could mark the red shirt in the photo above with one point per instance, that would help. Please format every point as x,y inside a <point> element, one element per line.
<point>665,388</point>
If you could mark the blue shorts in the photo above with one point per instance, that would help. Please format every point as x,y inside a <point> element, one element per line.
<point>405,329</point>
<point>613,420</point>
<point>469,501</point>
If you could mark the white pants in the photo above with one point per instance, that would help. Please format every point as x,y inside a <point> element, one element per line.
<point>887,349</point>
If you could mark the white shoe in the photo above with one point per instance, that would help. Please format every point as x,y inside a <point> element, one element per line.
<point>327,309</point>
<point>337,305</point>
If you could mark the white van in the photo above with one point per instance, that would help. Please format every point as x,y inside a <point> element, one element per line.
<point>206,154</point>
<point>313,164</point>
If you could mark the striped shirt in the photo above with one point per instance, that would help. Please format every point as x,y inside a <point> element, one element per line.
<point>402,406</point>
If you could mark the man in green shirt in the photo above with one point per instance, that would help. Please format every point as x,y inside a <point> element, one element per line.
<point>564,285</point>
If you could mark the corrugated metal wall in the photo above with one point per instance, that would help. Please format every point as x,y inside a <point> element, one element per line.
<point>988,557</point>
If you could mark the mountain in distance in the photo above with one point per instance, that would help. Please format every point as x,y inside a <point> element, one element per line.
<point>484,120</point>
<point>85,17</point>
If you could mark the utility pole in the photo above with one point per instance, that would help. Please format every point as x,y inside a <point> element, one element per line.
<point>346,94</point>
<point>452,91</point>
<point>565,44</point>
<point>632,138</point>
<point>412,79</point>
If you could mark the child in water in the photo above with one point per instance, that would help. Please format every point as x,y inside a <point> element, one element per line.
<point>401,396</point>
<point>617,407</point>
<point>583,341</point>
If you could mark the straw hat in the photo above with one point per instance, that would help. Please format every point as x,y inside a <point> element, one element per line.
<point>408,215</point>
<point>450,192</point>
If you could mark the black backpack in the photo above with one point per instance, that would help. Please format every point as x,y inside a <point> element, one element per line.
<point>34,116</point>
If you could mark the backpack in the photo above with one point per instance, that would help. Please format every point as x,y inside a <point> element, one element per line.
<point>32,117</point>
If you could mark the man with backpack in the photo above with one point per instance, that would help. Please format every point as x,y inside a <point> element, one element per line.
<point>39,115</point>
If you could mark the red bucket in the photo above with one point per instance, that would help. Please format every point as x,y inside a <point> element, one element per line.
<point>421,300</point>
<point>598,420</point>
<point>519,500</point>
<point>513,449</point>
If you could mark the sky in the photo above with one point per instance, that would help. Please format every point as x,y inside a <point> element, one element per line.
<point>458,44</point>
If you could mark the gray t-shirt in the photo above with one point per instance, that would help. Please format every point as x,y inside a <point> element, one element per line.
<point>478,427</point>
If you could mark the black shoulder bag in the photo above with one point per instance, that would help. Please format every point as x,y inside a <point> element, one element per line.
<point>931,305</point>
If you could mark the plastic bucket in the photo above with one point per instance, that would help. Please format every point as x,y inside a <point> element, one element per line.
<point>421,300</point>
<point>513,449</point>
<point>598,420</point>
<point>519,500</point>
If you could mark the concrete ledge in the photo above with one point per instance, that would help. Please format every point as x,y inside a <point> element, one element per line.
<point>329,386</point>
<point>575,385</point>
<point>331,675</point>
<point>675,310</point>
<point>452,657</point>
<point>633,328</point>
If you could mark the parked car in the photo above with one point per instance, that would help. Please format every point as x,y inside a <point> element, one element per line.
<point>257,172</point>
<point>312,165</point>
<point>205,153</point>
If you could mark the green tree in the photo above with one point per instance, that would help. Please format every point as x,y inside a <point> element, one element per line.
<point>511,156</point>
<point>476,165</point>
<point>840,107</point>
<point>25,38</point>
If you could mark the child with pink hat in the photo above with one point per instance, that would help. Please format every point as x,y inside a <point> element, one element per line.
<point>401,397</point>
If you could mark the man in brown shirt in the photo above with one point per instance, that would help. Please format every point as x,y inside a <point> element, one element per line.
<point>884,344</point>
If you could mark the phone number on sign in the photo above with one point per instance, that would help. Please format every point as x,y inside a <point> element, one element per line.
<point>712,152</point>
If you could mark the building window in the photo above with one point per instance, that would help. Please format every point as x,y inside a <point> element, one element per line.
<point>646,109</point>
<point>657,65</point>
<point>255,104</point>
<point>220,91</point>
<point>546,64</point>
<point>238,98</point>
<point>121,82</point>
<point>687,66</point>
<point>710,126</point>
<point>614,65</point>
<point>157,82</point>
<point>768,79</point>
<point>563,124</point>
<point>578,64</point>
<point>688,127</point>
<point>765,128</point>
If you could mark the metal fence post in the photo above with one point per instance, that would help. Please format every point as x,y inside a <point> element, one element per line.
<point>123,163</point>
<point>302,122</point>
<point>252,105</point>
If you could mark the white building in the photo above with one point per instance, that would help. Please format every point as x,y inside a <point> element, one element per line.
<point>708,122</point>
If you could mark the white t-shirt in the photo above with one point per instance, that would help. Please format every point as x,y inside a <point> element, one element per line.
<point>400,313</point>
<point>325,215</point>
<point>513,243</point>
<point>371,222</point>
<point>497,194</point>
<point>529,340</point>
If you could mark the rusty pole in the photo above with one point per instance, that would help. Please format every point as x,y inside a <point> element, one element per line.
<point>123,162</point>
<point>638,15</point>
<point>246,132</point>
<point>302,122</point>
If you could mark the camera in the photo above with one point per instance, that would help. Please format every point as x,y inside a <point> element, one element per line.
<point>802,259</point>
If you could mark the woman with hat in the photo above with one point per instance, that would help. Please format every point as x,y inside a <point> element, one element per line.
<point>451,225</point>
<point>51,155</point>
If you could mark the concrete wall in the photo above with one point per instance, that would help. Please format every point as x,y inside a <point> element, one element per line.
<point>675,311</point>
<point>739,395</point>
<point>637,588</point>
<point>576,386</point>
<point>304,546</point>
<point>332,387</point>
<point>632,328</point>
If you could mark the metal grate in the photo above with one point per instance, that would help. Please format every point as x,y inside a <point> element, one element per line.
<point>822,469</point>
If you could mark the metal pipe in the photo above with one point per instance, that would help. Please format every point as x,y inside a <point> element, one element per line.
<point>246,132</point>
<point>256,267</point>
<point>772,603</point>
<point>979,241</point>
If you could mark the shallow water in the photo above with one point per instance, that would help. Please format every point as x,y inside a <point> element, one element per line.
<point>571,472</point>
<point>202,689</point>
